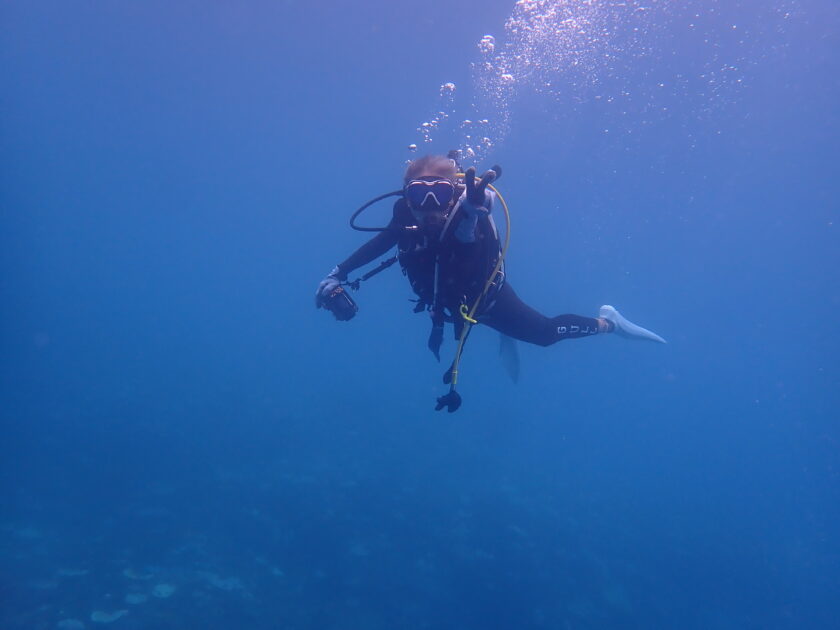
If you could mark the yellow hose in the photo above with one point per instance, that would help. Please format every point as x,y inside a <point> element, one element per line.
<point>469,317</point>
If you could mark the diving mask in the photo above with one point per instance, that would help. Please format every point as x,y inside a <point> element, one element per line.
<point>429,195</point>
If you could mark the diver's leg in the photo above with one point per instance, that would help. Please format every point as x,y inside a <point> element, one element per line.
<point>512,317</point>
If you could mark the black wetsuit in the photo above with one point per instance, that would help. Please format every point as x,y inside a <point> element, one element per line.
<point>446,273</point>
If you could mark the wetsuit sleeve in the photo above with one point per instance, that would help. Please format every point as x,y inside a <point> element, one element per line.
<point>368,252</point>
<point>375,247</point>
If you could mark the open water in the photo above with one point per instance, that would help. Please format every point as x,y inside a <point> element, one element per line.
<point>187,443</point>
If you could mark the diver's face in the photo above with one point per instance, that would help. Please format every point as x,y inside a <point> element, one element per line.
<point>429,198</point>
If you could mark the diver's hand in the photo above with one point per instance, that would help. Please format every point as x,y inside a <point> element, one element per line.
<point>327,286</point>
<point>475,202</point>
<point>476,194</point>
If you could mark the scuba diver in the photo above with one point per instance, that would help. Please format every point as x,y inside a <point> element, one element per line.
<point>450,250</point>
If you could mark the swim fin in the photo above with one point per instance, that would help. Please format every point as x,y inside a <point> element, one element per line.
<point>626,328</point>
<point>509,352</point>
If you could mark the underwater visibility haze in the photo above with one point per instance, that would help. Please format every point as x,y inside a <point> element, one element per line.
<point>188,442</point>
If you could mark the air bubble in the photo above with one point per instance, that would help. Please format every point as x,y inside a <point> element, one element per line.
<point>578,50</point>
<point>487,44</point>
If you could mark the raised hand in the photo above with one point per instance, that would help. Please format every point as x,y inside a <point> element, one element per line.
<point>476,191</point>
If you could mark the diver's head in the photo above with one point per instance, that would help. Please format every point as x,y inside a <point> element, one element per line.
<point>429,188</point>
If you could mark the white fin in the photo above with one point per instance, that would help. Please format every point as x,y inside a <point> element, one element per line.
<point>626,328</point>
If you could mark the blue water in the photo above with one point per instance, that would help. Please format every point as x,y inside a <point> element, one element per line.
<point>187,442</point>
